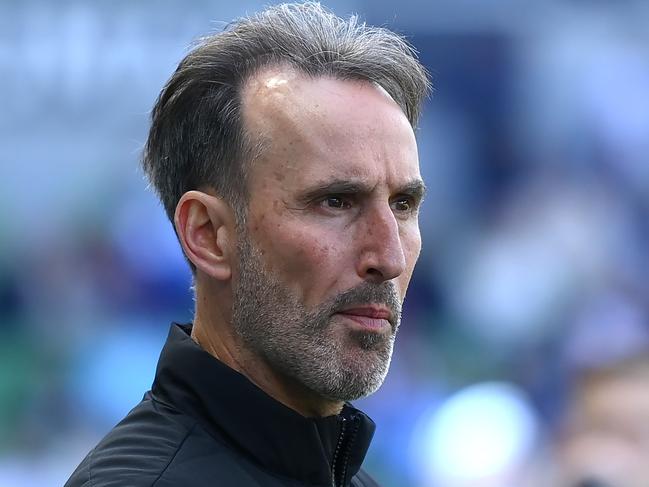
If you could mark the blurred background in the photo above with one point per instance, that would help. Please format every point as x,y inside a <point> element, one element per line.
<point>522,359</point>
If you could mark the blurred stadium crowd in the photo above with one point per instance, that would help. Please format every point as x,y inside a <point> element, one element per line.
<point>523,354</point>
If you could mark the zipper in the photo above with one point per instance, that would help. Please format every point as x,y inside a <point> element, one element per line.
<point>343,449</point>
<point>341,437</point>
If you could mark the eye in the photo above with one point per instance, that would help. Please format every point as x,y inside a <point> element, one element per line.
<point>403,204</point>
<point>336,202</point>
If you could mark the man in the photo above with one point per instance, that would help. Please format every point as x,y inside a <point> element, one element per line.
<point>604,440</point>
<point>283,151</point>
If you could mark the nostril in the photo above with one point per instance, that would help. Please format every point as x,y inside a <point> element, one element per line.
<point>372,271</point>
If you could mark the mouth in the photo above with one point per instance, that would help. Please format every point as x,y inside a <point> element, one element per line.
<point>369,317</point>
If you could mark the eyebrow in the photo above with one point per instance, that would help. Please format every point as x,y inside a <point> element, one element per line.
<point>415,188</point>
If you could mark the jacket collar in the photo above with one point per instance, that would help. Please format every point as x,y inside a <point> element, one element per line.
<point>273,435</point>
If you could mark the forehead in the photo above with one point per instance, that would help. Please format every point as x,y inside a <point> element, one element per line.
<point>318,125</point>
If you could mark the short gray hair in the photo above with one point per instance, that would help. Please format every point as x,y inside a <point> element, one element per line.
<point>197,139</point>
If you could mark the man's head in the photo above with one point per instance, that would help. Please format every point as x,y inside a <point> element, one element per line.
<point>295,127</point>
<point>604,440</point>
<point>197,137</point>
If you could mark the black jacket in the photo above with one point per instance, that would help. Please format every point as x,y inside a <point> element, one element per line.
<point>203,424</point>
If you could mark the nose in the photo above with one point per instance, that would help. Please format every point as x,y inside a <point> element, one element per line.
<point>381,255</point>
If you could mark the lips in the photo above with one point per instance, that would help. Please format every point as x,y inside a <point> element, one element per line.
<point>369,317</point>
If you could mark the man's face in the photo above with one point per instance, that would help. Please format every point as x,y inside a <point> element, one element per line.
<point>332,231</point>
<point>606,436</point>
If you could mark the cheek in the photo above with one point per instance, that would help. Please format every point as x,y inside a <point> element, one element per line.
<point>415,247</point>
<point>299,254</point>
<point>411,241</point>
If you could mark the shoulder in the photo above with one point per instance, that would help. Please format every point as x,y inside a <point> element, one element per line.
<point>157,446</point>
<point>138,450</point>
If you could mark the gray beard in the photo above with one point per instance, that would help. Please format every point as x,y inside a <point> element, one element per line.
<point>336,362</point>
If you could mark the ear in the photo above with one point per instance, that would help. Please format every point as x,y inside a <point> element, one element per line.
<point>206,228</point>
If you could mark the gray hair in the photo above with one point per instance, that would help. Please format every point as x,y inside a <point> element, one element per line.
<point>197,138</point>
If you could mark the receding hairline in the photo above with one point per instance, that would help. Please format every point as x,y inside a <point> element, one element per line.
<point>283,72</point>
<point>280,77</point>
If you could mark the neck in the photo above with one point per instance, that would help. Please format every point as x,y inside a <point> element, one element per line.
<point>214,334</point>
